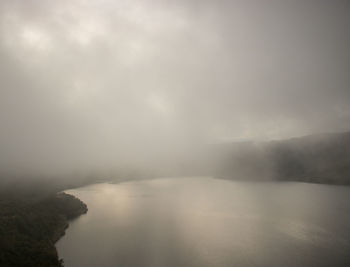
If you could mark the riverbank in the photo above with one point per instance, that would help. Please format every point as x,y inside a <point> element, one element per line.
<point>29,228</point>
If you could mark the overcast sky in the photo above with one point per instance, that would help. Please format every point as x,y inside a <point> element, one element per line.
<point>94,82</point>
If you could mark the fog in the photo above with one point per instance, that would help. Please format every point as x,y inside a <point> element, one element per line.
<point>91,85</point>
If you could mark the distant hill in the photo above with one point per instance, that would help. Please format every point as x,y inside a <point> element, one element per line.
<point>321,158</point>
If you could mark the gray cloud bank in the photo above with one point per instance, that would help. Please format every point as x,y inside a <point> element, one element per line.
<point>97,83</point>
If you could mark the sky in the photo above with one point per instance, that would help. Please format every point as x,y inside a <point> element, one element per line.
<point>97,83</point>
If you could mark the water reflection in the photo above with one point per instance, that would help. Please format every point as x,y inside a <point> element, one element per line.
<point>209,222</point>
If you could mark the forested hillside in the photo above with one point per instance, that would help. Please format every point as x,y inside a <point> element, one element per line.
<point>323,158</point>
<point>30,224</point>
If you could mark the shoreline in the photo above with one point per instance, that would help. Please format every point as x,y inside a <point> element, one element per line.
<point>61,230</point>
<point>33,225</point>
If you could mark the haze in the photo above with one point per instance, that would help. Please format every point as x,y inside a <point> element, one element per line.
<point>99,84</point>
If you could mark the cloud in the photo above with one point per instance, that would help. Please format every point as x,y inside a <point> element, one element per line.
<point>90,83</point>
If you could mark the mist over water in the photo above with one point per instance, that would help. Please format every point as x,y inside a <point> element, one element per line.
<point>100,85</point>
<point>119,90</point>
<point>200,221</point>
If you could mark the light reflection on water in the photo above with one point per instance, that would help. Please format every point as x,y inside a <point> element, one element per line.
<point>202,221</point>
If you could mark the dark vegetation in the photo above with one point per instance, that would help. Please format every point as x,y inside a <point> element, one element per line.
<point>30,224</point>
<point>323,158</point>
<point>33,216</point>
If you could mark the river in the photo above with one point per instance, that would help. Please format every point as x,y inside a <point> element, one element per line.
<point>201,221</point>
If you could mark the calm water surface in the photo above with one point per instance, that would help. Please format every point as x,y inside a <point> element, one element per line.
<point>200,221</point>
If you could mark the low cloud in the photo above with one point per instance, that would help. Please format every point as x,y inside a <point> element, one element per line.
<point>90,84</point>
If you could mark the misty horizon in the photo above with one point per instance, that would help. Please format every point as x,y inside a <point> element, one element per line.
<point>193,133</point>
<point>91,84</point>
